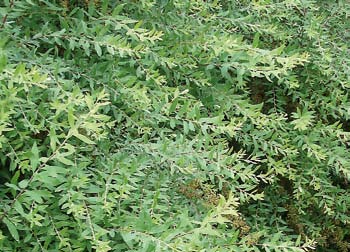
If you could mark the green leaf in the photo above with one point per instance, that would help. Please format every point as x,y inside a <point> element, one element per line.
<point>186,127</point>
<point>172,123</point>
<point>65,160</point>
<point>256,40</point>
<point>128,238</point>
<point>12,228</point>
<point>98,49</point>
<point>34,196</point>
<point>34,159</point>
<point>173,105</point>
<point>3,62</point>
<point>18,207</point>
<point>117,9</point>
<point>82,138</point>
<point>71,117</point>
<point>23,183</point>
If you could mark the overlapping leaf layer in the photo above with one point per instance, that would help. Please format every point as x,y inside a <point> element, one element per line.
<point>174,125</point>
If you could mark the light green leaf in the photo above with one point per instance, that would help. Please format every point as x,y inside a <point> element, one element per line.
<point>83,138</point>
<point>23,183</point>
<point>98,49</point>
<point>34,159</point>
<point>65,160</point>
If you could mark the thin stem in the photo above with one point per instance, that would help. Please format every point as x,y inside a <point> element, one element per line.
<point>4,19</point>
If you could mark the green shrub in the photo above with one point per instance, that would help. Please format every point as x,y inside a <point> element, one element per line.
<point>174,125</point>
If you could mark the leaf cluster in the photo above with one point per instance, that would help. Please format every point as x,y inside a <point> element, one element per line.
<point>174,125</point>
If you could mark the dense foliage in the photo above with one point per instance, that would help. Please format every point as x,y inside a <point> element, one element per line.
<point>174,125</point>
